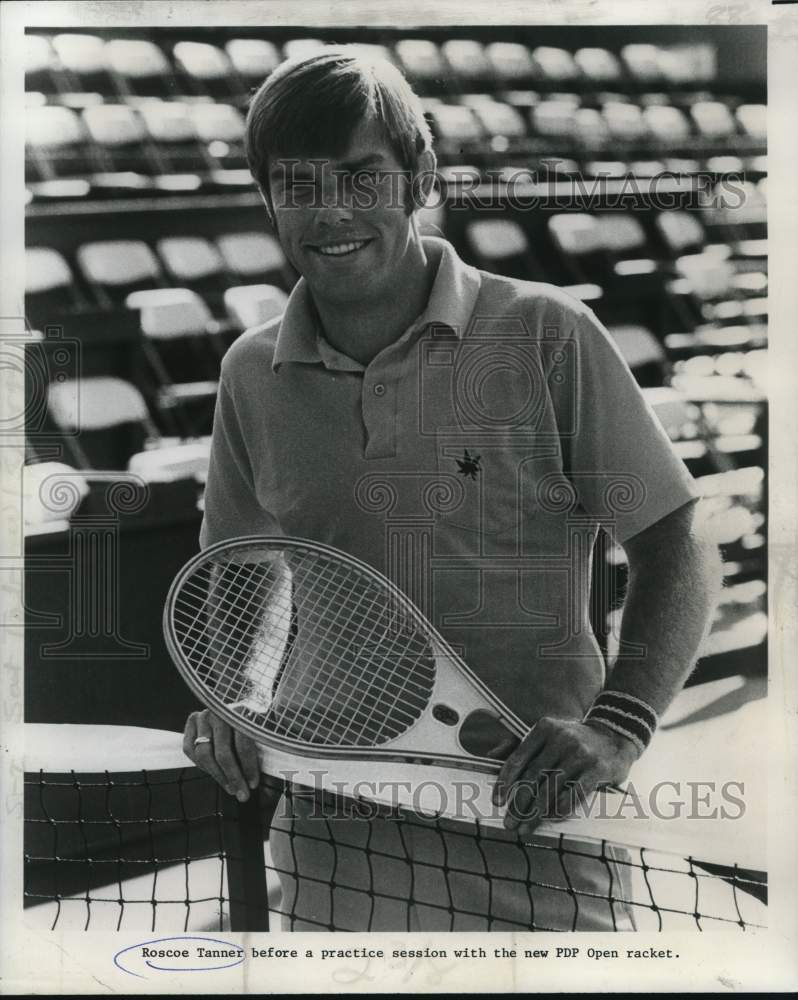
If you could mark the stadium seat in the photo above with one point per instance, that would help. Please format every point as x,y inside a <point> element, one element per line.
<point>201,60</point>
<point>707,275</point>
<point>171,126</point>
<point>253,58</point>
<point>524,100</point>
<point>634,268</point>
<point>590,129</point>
<point>51,493</point>
<point>666,124</point>
<point>119,132</point>
<point>625,121</point>
<point>642,352</point>
<point>56,143</point>
<point>184,351</point>
<point>555,64</point>
<point>208,67</point>
<point>49,286</point>
<point>501,245</point>
<point>467,59</point>
<point>188,460</point>
<point>690,64</point>
<point>171,313</point>
<point>299,48</point>
<point>713,119</point>
<point>512,62</point>
<point>114,125</point>
<point>40,63</point>
<point>554,119</point>
<point>115,268</point>
<point>251,305</point>
<point>83,56</point>
<point>741,211</point>
<point>680,230</point>
<point>194,262</point>
<point>643,62</point>
<point>754,120</point>
<point>457,128</point>
<point>502,122</point>
<point>105,420</point>
<point>576,233</point>
<point>255,257</point>
<point>140,65</point>
<point>421,60</point>
<point>598,64</point>
<point>221,128</point>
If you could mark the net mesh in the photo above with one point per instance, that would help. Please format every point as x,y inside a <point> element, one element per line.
<point>163,850</point>
<point>123,850</point>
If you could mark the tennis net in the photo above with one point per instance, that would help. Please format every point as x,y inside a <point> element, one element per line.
<point>149,843</point>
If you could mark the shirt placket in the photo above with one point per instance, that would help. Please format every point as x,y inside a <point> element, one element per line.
<point>379,409</point>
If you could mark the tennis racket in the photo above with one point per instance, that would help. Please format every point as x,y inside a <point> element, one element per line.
<point>336,675</point>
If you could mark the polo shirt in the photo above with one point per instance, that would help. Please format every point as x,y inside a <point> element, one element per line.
<point>472,461</point>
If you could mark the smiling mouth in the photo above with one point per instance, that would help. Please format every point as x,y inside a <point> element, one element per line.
<point>340,249</point>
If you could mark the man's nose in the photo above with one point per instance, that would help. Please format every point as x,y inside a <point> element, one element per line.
<point>336,203</point>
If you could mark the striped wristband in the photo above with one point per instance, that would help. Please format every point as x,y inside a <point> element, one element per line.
<point>624,714</point>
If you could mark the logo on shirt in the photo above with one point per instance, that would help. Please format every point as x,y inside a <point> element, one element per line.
<point>468,465</point>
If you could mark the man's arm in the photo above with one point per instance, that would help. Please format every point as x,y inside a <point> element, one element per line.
<point>674,581</point>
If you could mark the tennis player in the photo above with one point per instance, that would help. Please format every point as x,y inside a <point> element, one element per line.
<point>498,415</point>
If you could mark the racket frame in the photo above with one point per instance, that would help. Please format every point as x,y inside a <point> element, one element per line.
<point>440,649</point>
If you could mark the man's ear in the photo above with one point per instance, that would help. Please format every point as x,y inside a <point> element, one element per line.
<point>422,181</point>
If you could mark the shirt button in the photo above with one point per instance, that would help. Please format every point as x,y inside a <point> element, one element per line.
<point>379,389</point>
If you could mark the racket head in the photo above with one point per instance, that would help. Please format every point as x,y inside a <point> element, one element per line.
<point>299,645</point>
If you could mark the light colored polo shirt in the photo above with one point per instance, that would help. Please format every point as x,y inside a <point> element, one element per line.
<point>471,461</point>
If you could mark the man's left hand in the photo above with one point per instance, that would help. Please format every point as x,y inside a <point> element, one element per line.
<point>555,767</point>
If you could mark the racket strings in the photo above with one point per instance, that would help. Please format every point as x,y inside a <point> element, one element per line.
<point>324,628</point>
<point>361,703</point>
<point>367,641</point>
<point>305,646</point>
<point>231,607</point>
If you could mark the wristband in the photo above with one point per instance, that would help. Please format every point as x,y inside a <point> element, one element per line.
<point>624,714</point>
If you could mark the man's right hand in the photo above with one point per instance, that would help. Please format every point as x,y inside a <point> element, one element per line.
<point>228,756</point>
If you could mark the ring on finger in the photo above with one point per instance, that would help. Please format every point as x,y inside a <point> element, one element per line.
<point>202,739</point>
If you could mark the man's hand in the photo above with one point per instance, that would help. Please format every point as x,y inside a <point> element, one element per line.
<point>228,756</point>
<point>555,767</point>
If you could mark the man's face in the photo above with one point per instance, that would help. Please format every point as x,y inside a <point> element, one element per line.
<point>342,222</point>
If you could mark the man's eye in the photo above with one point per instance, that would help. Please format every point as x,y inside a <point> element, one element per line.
<point>301,192</point>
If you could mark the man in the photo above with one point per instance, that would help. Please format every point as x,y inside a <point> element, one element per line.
<point>398,367</point>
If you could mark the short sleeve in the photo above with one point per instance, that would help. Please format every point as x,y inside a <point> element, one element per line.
<point>618,456</point>
<point>232,509</point>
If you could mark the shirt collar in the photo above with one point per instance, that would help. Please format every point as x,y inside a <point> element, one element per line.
<point>451,303</point>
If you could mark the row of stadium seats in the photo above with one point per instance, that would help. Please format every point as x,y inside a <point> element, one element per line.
<point>594,123</point>
<point>697,256</point>
<point>108,271</point>
<point>154,138</point>
<point>119,66</point>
